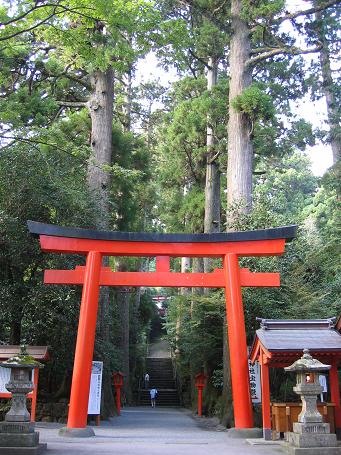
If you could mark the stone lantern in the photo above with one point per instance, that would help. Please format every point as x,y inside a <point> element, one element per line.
<point>17,430</point>
<point>310,434</point>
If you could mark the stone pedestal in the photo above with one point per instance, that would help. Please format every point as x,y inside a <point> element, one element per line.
<point>19,438</point>
<point>17,435</point>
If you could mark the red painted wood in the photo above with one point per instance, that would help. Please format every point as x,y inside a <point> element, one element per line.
<point>150,249</point>
<point>242,404</point>
<point>34,394</point>
<point>265,384</point>
<point>164,279</point>
<point>118,400</point>
<point>162,263</point>
<point>79,398</point>
<point>335,393</point>
<point>199,401</point>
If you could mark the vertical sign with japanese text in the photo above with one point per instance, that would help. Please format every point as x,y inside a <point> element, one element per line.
<point>95,392</point>
<point>255,385</point>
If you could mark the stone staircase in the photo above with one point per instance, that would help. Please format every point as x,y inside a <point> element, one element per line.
<point>160,371</point>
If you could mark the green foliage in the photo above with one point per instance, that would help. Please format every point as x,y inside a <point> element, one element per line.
<point>261,9</point>
<point>254,103</point>
<point>194,326</point>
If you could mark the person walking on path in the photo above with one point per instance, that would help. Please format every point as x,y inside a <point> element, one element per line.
<point>146,381</point>
<point>153,395</point>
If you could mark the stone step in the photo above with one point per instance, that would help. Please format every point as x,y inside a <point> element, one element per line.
<point>161,373</point>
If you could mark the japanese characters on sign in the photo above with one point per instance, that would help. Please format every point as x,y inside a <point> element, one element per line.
<point>255,384</point>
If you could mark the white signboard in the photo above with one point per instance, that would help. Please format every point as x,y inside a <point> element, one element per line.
<point>5,374</point>
<point>94,406</point>
<point>255,384</point>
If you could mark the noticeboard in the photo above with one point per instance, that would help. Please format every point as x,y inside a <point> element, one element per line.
<point>95,392</point>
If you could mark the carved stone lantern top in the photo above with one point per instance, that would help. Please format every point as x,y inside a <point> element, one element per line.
<point>307,364</point>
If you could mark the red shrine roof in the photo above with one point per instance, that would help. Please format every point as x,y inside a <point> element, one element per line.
<point>281,339</point>
<point>39,353</point>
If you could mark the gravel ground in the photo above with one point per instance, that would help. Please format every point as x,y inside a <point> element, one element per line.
<point>159,431</point>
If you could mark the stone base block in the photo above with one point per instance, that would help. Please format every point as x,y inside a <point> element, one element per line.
<point>19,440</point>
<point>312,440</point>
<point>338,434</point>
<point>76,432</point>
<point>311,428</point>
<point>314,450</point>
<point>37,450</point>
<point>17,427</point>
<point>245,433</point>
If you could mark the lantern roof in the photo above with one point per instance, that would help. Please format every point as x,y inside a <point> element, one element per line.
<point>307,363</point>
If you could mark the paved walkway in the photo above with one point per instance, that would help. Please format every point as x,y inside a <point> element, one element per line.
<point>159,431</point>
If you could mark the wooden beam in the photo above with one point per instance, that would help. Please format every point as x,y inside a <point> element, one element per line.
<point>164,279</point>
<point>271,247</point>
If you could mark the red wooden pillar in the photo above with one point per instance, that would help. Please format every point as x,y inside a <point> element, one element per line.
<point>267,433</point>
<point>118,400</point>
<point>118,383</point>
<point>199,401</point>
<point>335,394</point>
<point>79,398</point>
<point>237,344</point>
<point>34,394</point>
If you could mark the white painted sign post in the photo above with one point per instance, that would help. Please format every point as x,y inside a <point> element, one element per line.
<point>95,392</point>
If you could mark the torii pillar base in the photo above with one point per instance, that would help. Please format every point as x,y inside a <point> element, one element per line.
<point>76,432</point>
<point>245,433</point>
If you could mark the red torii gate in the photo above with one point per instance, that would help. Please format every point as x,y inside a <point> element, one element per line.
<point>96,244</point>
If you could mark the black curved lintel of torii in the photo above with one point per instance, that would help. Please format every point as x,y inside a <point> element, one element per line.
<point>283,232</point>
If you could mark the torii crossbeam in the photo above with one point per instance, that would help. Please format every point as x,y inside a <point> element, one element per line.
<point>96,244</point>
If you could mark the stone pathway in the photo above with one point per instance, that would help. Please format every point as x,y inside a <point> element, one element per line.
<point>159,349</point>
<point>159,431</point>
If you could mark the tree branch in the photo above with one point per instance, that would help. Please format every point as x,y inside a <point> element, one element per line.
<point>20,32</point>
<point>74,104</point>
<point>285,51</point>
<point>26,13</point>
<point>193,54</point>
<point>213,159</point>
<point>54,13</point>
<point>37,142</point>
<point>306,12</point>
<point>206,14</point>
